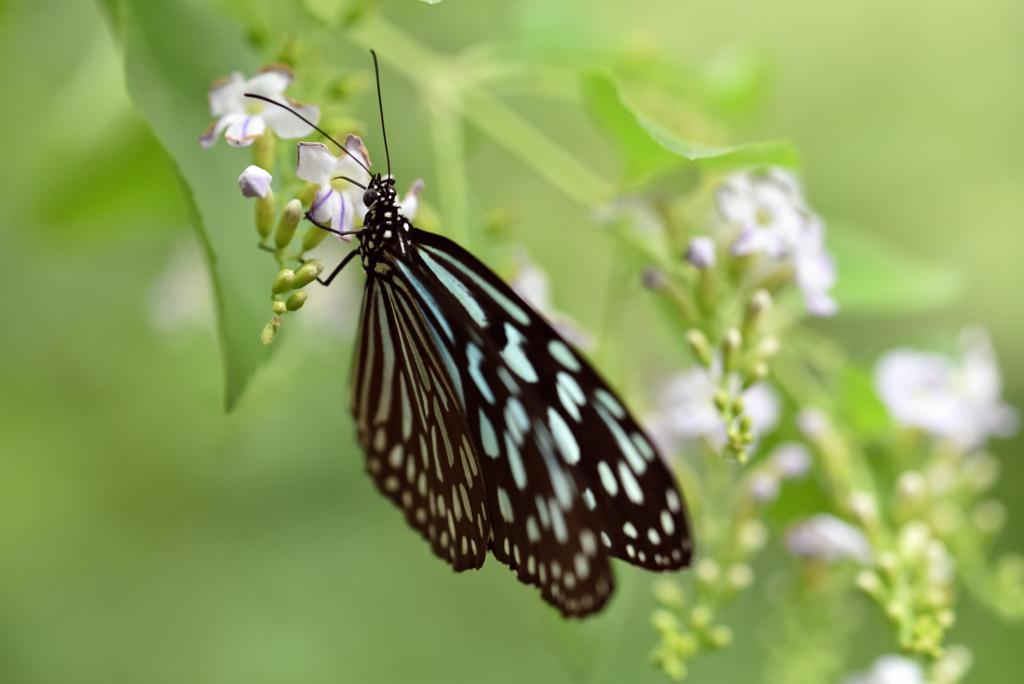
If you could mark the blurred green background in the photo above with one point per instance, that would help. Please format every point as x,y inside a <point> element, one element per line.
<point>145,536</point>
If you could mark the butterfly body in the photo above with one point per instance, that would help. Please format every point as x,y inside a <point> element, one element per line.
<point>490,432</point>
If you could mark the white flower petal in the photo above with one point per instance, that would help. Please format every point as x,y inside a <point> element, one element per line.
<point>244,130</point>
<point>348,164</point>
<point>826,538</point>
<point>211,134</point>
<point>891,669</point>
<point>315,163</point>
<point>411,202</point>
<point>791,460</point>
<point>764,486</point>
<point>287,125</point>
<point>270,81</point>
<point>254,182</point>
<point>227,94</point>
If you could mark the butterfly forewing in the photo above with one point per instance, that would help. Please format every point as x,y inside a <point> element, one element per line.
<point>412,428</point>
<point>570,476</point>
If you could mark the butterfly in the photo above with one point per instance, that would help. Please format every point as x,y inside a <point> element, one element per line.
<point>489,431</point>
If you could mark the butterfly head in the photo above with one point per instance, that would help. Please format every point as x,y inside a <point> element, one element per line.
<point>380,195</point>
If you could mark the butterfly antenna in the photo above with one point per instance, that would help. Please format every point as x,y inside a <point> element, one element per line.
<point>322,131</point>
<point>380,105</point>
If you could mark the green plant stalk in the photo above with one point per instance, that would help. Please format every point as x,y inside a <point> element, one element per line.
<point>498,122</point>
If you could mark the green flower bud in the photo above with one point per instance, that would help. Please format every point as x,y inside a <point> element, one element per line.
<point>669,594</point>
<point>721,400</point>
<point>265,212</point>
<point>313,237</point>
<point>296,301</point>
<point>290,217</point>
<point>268,334</point>
<point>700,617</point>
<point>307,193</point>
<point>740,576</point>
<point>270,330</point>
<point>756,372</point>
<point>699,345</point>
<point>283,281</point>
<point>746,423</point>
<point>731,348</point>
<point>871,584</point>
<point>707,572</point>
<point>720,636</point>
<point>279,308</point>
<point>767,348</point>
<point>889,563</point>
<point>683,644</point>
<point>308,272</point>
<point>664,621</point>
<point>759,304</point>
<point>263,149</point>
<point>911,487</point>
<point>753,535</point>
<point>913,540</point>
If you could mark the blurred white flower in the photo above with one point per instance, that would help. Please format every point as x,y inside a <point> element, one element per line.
<point>531,283</point>
<point>890,669</point>
<point>701,252</point>
<point>338,201</point>
<point>764,486</point>
<point>243,119</point>
<point>254,182</point>
<point>827,538</point>
<point>767,207</point>
<point>687,412</point>
<point>769,211</point>
<point>813,422</point>
<point>791,460</point>
<point>815,269</point>
<point>960,403</point>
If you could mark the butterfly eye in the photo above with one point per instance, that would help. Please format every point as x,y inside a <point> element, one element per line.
<point>369,197</point>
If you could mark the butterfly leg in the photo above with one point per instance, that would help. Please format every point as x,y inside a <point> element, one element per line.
<point>337,269</point>
<point>339,233</point>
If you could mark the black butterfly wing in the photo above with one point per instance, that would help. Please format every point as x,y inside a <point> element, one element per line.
<point>411,427</point>
<point>571,477</point>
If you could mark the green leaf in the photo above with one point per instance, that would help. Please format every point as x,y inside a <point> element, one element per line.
<point>173,50</point>
<point>650,148</point>
<point>431,2</point>
<point>874,278</point>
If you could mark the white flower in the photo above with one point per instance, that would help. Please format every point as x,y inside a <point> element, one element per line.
<point>254,182</point>
<point>815,269</point>
<point>960,403</point>
<point>767,207</point>
<point>769,210</point>
<point>531,283</point>
<point>764,486</point>
<point>701,252</point>
<point>338,201</point>
<point>243,119</point>
<point>791,460</point>
<point>687,410</point>
<point>890,669</point>
<point>827,538</point>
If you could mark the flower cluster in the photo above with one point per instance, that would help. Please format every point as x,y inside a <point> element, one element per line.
<point>332,198</point>
<point>765,213</point>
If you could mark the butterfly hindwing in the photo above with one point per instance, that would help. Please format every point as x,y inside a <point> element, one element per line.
<point>411,426</point>
<point>571,479</point>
